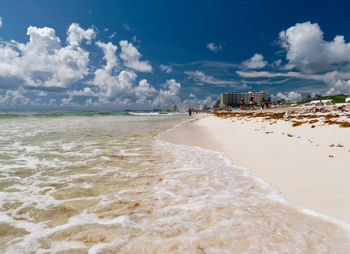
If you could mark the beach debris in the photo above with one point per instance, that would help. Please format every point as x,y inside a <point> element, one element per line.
<point>340,145</point>
<point>313,126</point>
<point>331,156</point>
<point>91,241</point>
<point>345,124</point>
<point>295,124</point>
<point>326,116</point>
<point>289,135</point>
<point>332,145</point>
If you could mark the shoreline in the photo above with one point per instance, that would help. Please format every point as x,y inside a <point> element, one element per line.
<point>309,165</point>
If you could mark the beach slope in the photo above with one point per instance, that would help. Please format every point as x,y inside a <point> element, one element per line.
<point>308,162</point>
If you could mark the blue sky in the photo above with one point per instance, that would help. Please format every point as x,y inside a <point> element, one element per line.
<point>114,55</point>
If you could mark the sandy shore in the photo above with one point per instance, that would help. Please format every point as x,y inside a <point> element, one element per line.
<point>305,153</point>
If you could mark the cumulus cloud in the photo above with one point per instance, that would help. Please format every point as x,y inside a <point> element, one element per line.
<point>131,58</point>
<point>14,97</point>
<point>0,21</point>
<point>214,47</point>
<point>76,34</point>
<point>145,93</point>
<point>193,101</point>
<point>166,68</point>
<point>169,95</point>
<point>84,92</point>
<point>116,84</point>
<point>201,77</point>
<point>291,96</point>
<point>109,50</point>
<point>255,62</point>
<point>42,62</point>
<point>338,82</point>
<point>308,51</point>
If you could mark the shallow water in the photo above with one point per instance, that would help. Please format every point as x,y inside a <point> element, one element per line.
<point>104,184</point>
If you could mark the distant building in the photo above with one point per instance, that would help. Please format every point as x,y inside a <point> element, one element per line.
<point>173,108</point>
<point>233,99</point>
<point>203,107</point>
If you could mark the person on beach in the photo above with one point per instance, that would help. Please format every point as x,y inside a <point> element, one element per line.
<point>241,104</point>
<point>267,102</point>
<point>262,104</point>
<point>189,111</point>
<point>251,103</point>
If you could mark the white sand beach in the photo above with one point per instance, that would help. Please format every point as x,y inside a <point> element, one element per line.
<point>309,163</point>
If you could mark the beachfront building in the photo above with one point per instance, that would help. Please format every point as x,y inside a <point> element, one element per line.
<point>173,108</point>
<point>233,99</point>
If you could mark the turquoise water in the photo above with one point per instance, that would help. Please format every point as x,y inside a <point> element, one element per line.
<point>103,183</point>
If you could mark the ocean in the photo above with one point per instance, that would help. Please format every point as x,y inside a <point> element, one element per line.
<point>104,183</point>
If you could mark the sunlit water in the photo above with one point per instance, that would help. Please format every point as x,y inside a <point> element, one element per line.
<point>102,183</point>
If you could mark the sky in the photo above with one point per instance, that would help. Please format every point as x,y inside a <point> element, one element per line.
<point>127,54</point>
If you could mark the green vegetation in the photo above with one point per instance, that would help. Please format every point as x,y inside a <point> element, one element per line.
<point>339,98</point>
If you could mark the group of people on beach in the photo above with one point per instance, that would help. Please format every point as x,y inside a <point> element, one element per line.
<point>264,104</point>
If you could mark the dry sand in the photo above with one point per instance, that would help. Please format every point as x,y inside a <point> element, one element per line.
<point>310,166</point>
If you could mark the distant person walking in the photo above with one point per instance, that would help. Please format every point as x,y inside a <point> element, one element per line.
<point>267,102</point>
<point>241,104</point>
<point>190,111</point>
<point>251,103</point>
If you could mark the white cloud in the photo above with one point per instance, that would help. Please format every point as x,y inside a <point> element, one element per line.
<point>196,102</point>
<point>338,82</point>
<point>85,92</point>
<point>111,83</point>
<point>131,58</point>
<point>287,67</point>
<point>277,63</point>
<point>266,74</point>
<point>0,21</point>
<point>15,97</point>
<point>76,34</point>
<point>308,51</point>
<point>145,92</point>
<point>291,96</point>
<point>201,77</point>
<point>255,62</point>
<point>45,65</point>
<point>42,62</point>
<point>117,84</point>
<point>109,50</point>
<point>166,68</point>
<point>169,95</point>
<point>214,47</point>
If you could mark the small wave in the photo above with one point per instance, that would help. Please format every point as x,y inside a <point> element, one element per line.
<point>154,113</point>
<point>5,115</point>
